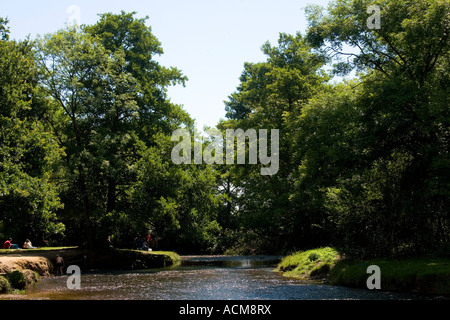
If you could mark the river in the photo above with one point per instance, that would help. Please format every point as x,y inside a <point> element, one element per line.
<point>203,278</point>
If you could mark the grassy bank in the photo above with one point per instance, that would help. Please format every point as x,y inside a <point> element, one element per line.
<point>423,274</point>
<point>311,264</point>
<point>134,259</point>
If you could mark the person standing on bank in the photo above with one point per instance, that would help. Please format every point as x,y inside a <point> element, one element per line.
<point>59,264</point>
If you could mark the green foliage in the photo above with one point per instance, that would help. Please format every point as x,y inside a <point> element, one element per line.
<point>387,133</point>
<point>124,33</point>
<point>85,140</point>
<point>109,103</point>
<point>17,279</point>
<point>270,94</point>
<point>5,286</point>
<point>246,242</point>
<point>412,38</point>
<point>28,153</point>
<point>134,259</point>
<point>363,163</point>
<point>178,203</point>
<point>313,256</point>
<point>4,30</point>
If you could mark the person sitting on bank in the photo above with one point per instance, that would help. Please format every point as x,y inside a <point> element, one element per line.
<point>139,243</point>
<point>28,245</point>
<point>144,245</point>
<point>7,244</point>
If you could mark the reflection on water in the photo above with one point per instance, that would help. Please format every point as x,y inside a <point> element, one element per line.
<point>202,278</point>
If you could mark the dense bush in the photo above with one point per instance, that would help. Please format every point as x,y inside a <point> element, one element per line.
<point>17,279</point>
<point>5,286</point>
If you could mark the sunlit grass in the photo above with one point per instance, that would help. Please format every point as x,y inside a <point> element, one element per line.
<point>309,264</point>
<point>19,251</point>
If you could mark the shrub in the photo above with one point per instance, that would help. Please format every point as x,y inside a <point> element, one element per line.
<point>30,276</point>
<point>17,279</point>
<point>4,285</point>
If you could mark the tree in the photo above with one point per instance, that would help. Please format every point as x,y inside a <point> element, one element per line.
<point>28,195</point>
<point>4,30</point>
<point>93,109</point>
<point>389,193</point>
<point>411,40</point>
<point>270,93</point>
<point>154,112</point>
<point>179,203</point>
<point>123,32</point>
<point>110,109</point>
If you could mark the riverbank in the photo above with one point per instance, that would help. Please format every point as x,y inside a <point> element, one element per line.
<point>428,275</point>
<point>29,264</point>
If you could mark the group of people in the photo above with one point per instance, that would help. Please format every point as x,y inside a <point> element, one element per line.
<point>144,243</point>
<point>26,245</point>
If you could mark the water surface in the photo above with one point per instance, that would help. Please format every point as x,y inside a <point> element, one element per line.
<point>204,278</point>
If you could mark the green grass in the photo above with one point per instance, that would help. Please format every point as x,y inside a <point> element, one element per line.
<point>311,264</point>
<point>137,259</point>
<point>422,274</point>
<point>16,251</point>
<point>5,286</point>
<point>428,275</point>
<point>174,257</point>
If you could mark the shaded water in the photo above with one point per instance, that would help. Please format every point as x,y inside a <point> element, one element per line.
<point>203,278</point>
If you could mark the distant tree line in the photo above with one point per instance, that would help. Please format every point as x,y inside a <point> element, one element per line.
<point>364,164</point>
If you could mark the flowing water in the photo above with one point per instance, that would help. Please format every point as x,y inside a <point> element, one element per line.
<point>203,278</point>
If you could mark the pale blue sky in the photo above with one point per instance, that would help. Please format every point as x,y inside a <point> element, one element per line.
<point>209,41</point>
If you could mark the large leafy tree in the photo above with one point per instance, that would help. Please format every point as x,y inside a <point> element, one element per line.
<point>90,95</point>
<point>154,113</point>
<point>390,199</point>
<point>179,204</point>
<point>28,195</point>
<point>110,110</point>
